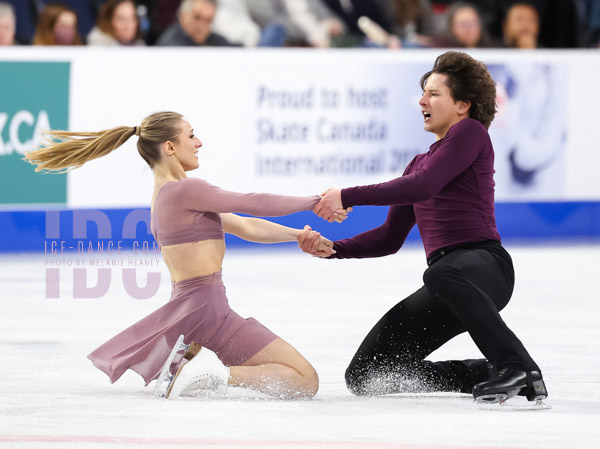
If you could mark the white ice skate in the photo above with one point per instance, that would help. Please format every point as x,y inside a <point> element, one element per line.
<point>206,373</point>
<point>203,373</point>
<point>165,378</point>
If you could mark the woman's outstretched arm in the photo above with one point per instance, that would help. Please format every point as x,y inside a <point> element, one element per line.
<point>264,231</point>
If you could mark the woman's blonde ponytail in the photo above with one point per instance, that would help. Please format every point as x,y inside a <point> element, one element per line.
<point>64,150</point>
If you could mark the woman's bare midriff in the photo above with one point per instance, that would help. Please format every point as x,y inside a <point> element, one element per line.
<point>188,260</point>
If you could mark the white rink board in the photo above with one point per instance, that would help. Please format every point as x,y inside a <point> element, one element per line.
<point>236,97</point>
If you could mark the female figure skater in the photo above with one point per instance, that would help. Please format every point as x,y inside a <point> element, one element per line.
<point>448,193</point>
<point>188,219</point>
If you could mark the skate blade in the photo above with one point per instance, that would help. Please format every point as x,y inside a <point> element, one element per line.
<point>191,351</point>
<point>492,399</point>
<point>165,374</point>
<point>497,398</point>
<point>500,403</point>
<point>168,394</point>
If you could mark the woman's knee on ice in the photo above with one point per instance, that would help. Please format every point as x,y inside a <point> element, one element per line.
<point>308,384</point>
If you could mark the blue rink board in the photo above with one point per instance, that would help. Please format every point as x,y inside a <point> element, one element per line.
<point>25,231</point>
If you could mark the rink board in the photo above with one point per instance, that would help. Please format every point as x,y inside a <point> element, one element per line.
<point>30,231</point>
<point>292,122</point>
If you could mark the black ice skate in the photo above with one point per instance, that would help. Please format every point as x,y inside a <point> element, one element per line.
<point>510,382</point>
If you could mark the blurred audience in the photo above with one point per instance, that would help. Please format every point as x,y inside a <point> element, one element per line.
<point>384,23</point>
<point>411,21</point>
<point>312,23</point>
<point>85,10</point>
<point>233,22</point>
<point>26,21</point>
<point>350,11</point>
<point>57,25</point>
<point>304,22</point>
<point>193,26</point>
<point>559,23</point>
<point>521,26</point>
<point>8,24</point>
<point>162,14</point>
<point>117,24</point>
<point>464,27</point>
<point>589,16</point>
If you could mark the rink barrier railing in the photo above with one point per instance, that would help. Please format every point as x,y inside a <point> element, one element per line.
<point>63,230</point>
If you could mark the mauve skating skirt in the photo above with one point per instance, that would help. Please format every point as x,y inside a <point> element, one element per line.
<point>199,310</point>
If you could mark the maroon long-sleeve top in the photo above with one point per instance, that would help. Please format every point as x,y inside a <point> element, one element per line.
<point>448,192</point>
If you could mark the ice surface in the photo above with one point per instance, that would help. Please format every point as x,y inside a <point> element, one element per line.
<point>52,397</point>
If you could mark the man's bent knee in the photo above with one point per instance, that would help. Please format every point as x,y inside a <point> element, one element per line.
<point>356,381</point>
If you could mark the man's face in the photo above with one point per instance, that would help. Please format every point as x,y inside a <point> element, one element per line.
<point>198,20</point>
<point>7,30</point>
<point>439,109</point>
<point>522,26</point>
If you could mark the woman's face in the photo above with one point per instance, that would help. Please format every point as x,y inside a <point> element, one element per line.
<point>186,147</point>
<point>466,27</point>
<point>65,28</point>
<point>124,22</point>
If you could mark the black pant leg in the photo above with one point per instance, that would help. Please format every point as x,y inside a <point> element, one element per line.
<point>390,359</point>
<point>476,284</point>
<point>464,290</point>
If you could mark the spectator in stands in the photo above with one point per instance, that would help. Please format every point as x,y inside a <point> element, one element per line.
<point>193,26</point>
<point>465,27</point>
<point>57,25</point>
<point>8,24</point>
<point>559,23</point>
<point>117,24</point>
<point>86,11</point>
<point>349,11</point>
<point>521,26</point>
<point>26,19</point>
<point>391,23</point>
<point>234,22</point>
<point>589,14</point>
<point>490,12</point>
<point>305,22</point>
<point>560,26</point>
<point>162,14</point>
<point>411,21</point>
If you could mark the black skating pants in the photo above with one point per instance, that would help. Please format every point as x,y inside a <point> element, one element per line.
<point>465,288</point>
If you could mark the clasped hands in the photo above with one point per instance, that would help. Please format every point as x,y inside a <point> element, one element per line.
<point>330,208</point>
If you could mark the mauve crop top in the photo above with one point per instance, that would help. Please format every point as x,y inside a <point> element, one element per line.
<point>188,210</point>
